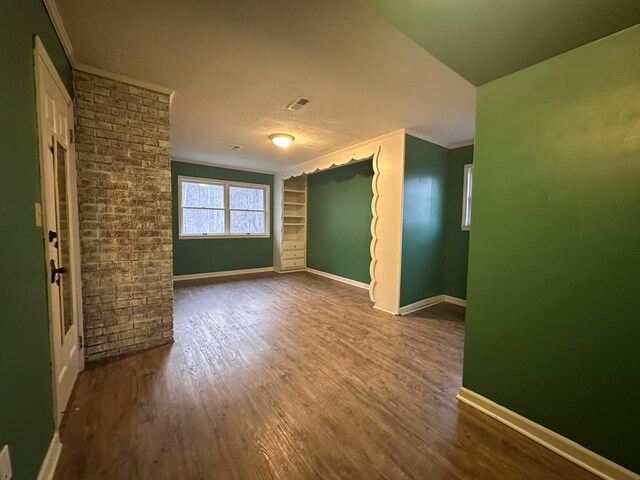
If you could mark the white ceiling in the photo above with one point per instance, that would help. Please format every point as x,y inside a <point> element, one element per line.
<point>235,65</point>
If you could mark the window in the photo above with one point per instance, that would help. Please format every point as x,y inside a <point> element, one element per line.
<point>466,197</point>
<point>215,208</point>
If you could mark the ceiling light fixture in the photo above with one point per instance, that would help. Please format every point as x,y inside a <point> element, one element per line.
<point>282,140</point>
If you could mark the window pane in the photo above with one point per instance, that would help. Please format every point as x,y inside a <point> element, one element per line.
<point>203,195</point>
<point>64,237</point>
<point>247,222</point>
<point>245,198</point>
<point>198,221</point>
<point>467,197</point>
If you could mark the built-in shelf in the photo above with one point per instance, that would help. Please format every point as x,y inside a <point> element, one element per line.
<point>291,230</point>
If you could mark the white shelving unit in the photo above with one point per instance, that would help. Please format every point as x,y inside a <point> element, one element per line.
<point>290,252</point>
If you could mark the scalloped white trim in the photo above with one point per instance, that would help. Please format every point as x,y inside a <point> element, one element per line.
<point>387,154</point>
<point>354,153</point>
<point>374,225</point>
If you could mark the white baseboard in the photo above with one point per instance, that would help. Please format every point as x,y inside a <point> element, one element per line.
<point>569,449</point>
<point>425,302</point>
<point>48,467</point>
<point>198,276</point>
<point>385,311</point>
<point>348,281</point>
<point>455,300</point>
<point>291,270</point>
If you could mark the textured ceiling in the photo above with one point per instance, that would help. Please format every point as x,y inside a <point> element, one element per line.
<point>236,64</point>
<point>486,39</point>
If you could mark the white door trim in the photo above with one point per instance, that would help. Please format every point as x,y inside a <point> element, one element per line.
<point>42,59</point>
<point>41,52</point>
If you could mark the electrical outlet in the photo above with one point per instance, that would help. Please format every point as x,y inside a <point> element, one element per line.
<point>5,464</point>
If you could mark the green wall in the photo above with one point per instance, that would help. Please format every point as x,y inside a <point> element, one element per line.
<point>218,254</point>
<point>485,40</point>
<point>456,255</point>
<point>423,211</point>
<point>553,324</point>
<point>339,220</point>
<point>26,410</point>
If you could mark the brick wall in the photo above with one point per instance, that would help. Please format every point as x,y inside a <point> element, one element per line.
<point>124,196</point>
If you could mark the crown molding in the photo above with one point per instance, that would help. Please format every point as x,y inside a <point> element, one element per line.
<point>450,146</point>
<point>83,67</point>
<point>56,19</point>
<point>424,137</point>
<point>58,25</point>
<point>220,165</point>
<point>346,151</point>
<point>466,143</point>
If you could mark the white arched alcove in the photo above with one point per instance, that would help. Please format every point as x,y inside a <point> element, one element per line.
<point>387,152</point>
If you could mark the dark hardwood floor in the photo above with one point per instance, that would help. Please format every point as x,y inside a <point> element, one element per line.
<point>293,377</point>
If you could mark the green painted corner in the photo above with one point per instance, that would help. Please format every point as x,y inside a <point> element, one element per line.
<point>552,323</point>
<point>191,256</point>
<point>339,220</point>
<point>456,248</point>
<point>26,406</point>
<point>423,211</point>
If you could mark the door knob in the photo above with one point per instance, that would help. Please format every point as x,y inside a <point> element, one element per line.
<point>56,271</point>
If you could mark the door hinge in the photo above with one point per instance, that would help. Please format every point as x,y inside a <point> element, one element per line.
<point>71,139</point>
<point>80,341</point>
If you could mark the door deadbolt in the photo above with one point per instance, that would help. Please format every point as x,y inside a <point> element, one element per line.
<point>53,238</point>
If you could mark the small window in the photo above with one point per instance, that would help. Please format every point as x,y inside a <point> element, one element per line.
<point>466,197</point>
<point>214,208</point>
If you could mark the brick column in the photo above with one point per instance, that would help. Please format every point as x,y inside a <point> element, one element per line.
<point>124,196</point>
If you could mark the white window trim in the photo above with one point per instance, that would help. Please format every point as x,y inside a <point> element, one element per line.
<point>467,197</point>
<point>227,210</point>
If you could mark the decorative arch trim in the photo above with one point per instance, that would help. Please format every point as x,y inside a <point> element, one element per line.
<point>371,149</point>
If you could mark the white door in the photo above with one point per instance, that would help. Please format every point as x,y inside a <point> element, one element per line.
<point>55,114</point>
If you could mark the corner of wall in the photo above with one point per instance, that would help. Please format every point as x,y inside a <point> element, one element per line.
<point>125,215</point>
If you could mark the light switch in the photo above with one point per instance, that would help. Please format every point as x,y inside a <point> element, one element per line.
<point>5,464</point>
<point>38,224</point>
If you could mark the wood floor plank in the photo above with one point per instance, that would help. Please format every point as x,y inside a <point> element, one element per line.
<point>276,377</point>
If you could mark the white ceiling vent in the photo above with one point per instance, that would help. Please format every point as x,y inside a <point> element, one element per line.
<point>235,147</point>
<point>298,104</point>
